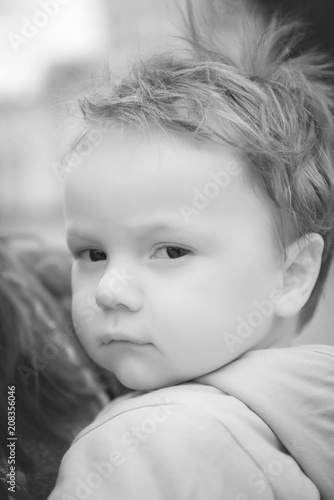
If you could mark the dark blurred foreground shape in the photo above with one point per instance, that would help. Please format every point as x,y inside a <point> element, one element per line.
<point>58,390</point>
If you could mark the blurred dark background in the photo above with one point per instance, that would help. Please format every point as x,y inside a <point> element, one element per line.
<point>319,13</point>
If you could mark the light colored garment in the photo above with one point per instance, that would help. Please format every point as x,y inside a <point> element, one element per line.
<point>262,427</point>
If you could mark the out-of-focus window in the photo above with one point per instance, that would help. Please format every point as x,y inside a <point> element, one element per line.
<point>47,48</point>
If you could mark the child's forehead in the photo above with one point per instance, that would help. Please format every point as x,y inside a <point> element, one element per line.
<point>125,156</point>
<point>132,175</point>
<point>120,148</point>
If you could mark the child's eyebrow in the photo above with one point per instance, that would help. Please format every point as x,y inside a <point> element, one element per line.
<point>144,230</point>
<point>73,234</point>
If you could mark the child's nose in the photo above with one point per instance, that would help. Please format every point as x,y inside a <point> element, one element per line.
<point>118,288</point>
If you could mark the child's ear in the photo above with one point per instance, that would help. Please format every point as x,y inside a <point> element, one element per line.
<point>300,272</point>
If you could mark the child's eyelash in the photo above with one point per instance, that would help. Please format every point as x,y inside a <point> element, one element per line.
<point>173,251</point>
<point>89,252</point>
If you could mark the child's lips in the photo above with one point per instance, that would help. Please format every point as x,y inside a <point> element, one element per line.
<point>110,337</point>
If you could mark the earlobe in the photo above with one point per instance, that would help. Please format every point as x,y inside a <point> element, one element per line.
<point>300,272</point>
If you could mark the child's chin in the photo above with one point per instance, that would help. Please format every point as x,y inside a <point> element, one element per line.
<point>142,385</point>
<point>150,383</point>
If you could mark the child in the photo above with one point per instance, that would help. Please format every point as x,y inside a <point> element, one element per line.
<point>202,233</point>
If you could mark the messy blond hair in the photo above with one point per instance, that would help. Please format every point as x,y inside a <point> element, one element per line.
<point>272,100</point>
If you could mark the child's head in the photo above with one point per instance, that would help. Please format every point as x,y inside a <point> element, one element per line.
<point>198,225</point>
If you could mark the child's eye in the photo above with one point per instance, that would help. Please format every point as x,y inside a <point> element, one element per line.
<point>171,252</point>
<point>92,255</point>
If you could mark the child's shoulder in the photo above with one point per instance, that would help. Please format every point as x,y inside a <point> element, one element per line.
<point>195,437</point>
<point>169,440</point>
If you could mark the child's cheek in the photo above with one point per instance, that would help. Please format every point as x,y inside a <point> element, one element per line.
<point>84,309</point>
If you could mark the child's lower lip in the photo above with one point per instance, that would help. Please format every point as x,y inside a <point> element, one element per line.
<point>135,342</point>
<point>107,339</point>
<point>125,341</point>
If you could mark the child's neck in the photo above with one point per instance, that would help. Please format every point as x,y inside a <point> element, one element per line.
<point>284,332</point>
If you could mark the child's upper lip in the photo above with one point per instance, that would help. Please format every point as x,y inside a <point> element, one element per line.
<point>108,337</point>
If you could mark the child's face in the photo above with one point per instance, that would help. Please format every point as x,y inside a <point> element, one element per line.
<point>174,282</point>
